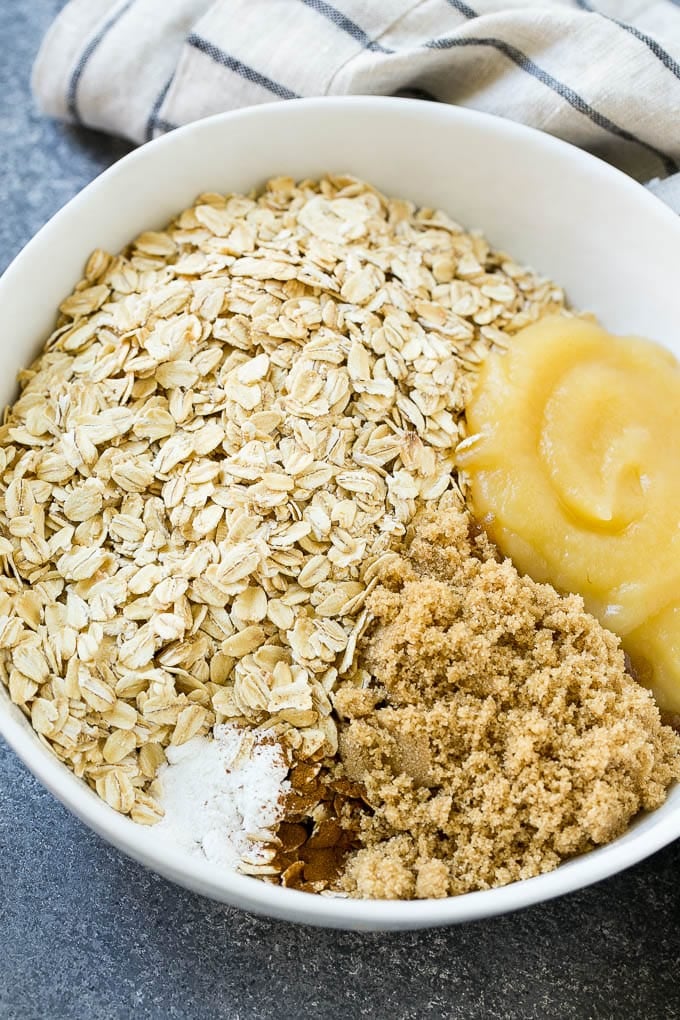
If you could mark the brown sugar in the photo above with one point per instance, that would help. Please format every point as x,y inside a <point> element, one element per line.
<point>500,733</point>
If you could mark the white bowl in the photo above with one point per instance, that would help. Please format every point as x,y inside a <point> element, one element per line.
<point>610,243</point>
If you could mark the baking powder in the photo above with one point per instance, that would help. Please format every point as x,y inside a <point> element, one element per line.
<point>216,791</point>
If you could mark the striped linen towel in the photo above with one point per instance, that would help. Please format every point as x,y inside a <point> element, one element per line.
<point>603,74</point>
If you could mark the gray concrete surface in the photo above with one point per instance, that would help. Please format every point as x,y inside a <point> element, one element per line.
<point>87,934</point>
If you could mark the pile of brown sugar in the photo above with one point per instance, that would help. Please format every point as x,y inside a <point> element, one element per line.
<point>500,733</point>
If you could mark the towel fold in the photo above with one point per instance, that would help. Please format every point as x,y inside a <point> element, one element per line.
<point>604,75</point>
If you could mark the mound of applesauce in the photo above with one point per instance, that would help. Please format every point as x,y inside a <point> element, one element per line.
<point>573,461</point>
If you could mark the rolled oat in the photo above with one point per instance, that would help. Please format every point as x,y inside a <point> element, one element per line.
<point>233,422</point>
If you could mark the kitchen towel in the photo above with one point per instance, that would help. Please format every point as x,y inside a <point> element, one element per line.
<point>604,75</point>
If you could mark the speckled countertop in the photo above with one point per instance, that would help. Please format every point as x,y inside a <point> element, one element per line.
<point>87,934</point>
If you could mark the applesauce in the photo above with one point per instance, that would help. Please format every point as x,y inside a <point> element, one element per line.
<point>573,462</point>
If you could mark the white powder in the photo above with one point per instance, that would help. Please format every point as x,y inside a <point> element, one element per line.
<point>215,792</point>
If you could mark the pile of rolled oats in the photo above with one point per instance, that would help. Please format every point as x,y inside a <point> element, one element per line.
<point>211,459</point>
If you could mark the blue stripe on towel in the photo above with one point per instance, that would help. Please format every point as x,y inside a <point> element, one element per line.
<point>249,73</point>
<point>568,94</point>
<point>77,73</point>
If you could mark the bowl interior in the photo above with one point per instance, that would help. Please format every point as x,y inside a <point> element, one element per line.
<point>608,242</point>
